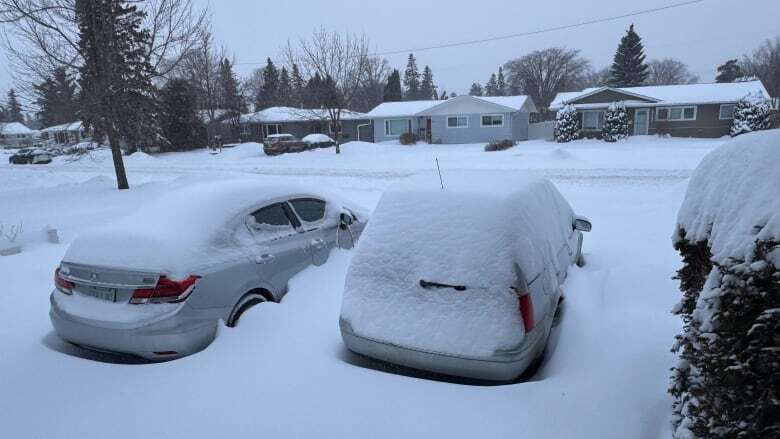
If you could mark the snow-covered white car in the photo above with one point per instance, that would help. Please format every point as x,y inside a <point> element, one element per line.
<point>156,283</point>
<point>464,280</point>
<point>318,140</point>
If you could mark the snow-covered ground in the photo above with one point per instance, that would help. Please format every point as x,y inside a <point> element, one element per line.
<point>283,372</point>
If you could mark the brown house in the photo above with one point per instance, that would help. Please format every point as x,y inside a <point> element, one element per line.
<point>690,110</point>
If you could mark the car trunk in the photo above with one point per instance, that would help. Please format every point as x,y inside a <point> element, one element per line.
<point>107,284</point>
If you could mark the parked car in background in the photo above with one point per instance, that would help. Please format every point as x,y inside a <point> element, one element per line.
<point>463,280</point>
<point>30,156</point>
<point>319,141</point>
<point>277,144</point>
<point>155,286</point>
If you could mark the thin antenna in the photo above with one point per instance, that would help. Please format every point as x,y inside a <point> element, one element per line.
<point>439,169</point>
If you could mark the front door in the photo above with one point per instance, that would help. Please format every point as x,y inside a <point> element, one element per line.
<point>428,129</point>
<point>641,121</point>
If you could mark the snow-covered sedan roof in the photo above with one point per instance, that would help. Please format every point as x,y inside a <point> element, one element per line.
<point>183,229</point>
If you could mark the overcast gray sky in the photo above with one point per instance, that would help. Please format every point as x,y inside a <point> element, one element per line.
<point>702,35</point>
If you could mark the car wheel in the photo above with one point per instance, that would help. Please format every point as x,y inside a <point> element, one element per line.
<point>247,301</point>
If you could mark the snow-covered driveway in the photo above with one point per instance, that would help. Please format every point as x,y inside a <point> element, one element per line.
<point>283,371</point>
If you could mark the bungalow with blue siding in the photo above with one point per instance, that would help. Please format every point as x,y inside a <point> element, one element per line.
<point>463,119</point>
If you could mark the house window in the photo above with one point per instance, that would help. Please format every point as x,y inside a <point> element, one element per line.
<point>396,127</point>
<point>492,120</point>
<point>330,128</point>
<point>457,122</point>
<point>271,129</point>
<point>727,111</point>
<point>245,130</point>
<point>592,120</point>
<point>675,114</point>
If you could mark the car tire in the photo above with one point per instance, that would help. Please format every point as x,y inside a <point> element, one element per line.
<point>247,301</point>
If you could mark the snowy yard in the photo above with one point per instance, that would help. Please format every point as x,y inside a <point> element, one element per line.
<point>283,372</point>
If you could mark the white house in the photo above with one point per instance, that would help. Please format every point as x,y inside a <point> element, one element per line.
<point>15,135</point>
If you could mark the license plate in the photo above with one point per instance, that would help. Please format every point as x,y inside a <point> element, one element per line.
<point>101,293</point>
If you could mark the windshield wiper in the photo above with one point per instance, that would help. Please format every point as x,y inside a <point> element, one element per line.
<point>428,285</point>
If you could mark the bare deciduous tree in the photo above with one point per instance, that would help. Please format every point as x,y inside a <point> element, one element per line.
<point>544,73</point>
<point>669,71</point>
<point>764,64</point>
<point>341,60</point>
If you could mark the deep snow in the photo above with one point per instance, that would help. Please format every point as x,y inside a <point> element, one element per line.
<point>283,372</point>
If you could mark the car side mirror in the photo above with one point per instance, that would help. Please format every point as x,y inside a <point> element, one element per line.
<point>345,220</point>
<point>582,224</point>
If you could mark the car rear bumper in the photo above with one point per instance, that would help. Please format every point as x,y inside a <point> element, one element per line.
<point>501,367</point>
<point>171,337</point>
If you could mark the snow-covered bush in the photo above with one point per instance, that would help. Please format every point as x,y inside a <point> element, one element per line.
<point>751,114</point>
<point>725,382</point>
<point>567,125</point>
<point>499,145</point>
<point>615,122</point>
<point>408,139</point>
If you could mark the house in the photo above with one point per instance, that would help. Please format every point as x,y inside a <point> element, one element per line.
<point>300,122</point>
<point>690,110</point>
<point>64,134</point>
<point>463,119</point>
<point>15,135</point>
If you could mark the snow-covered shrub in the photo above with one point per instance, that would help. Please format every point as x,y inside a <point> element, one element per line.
<point>751,114</point>
<point>615,122</point>
<point>408,139</point>
<point>499,145</point>
<point>567,125</point>
<point>725,382</point>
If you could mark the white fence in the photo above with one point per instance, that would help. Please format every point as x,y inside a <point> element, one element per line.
<point>541,130</point>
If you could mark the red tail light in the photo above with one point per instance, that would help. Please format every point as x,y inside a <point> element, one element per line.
<point>166,291</point>
<point>526,308</point>
<point>64,286</point>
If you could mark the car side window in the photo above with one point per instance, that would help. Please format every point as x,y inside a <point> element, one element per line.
<point>273,215</point>
<point>309,210</point>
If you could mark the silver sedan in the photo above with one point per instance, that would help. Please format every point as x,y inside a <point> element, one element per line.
<point>159,291</point>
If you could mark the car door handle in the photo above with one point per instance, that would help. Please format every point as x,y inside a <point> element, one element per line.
<point>264,259</point>
<point>318,243</point>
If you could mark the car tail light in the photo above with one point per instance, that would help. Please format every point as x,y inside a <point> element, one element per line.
<point>526,308</point>
<point>64,286</point>
<point>166,291</point>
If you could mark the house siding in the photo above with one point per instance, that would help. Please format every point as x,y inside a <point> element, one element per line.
<point>379,127</point>
<point>302,129</point>
<point>707,124</point>
<point>474,133</point>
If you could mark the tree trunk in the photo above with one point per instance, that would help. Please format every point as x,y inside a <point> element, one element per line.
<point>119,164</point>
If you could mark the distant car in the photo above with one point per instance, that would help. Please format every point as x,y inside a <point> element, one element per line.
<point>277,144</point>
<point>319,141</point>
<point>464,280</point>
<point>155,284</point>
<point>27,156</point>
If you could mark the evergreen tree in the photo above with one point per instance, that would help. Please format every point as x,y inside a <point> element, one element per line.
<point>751,113</point>
<point>615,122</point>
<point>501,87</point>
<point>476,89</point>
<point>730,71</point>
<point>181,126</point>
<point>411,80</point>
<point>116,94</point>
<point>298,84</point>
<point>393,91</point>
<point>491,88</point>
<point>56,99</point>
<point>285,92</point>
<point>231,99</point>
<point>443,96</point>
<point>313,94</point>
<point>427,88</point>
<point>269,92</point>
<point>629,68</point>
<point>567,125</point>
<point>13,110</point>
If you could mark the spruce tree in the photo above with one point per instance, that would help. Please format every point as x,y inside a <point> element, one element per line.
<point>411,80</point>
<point>751,113</point>
<point>567,125</point>
<point>13,110</point>
<point>56,99</point>
<point>729,71</point>
<point>285,92</point>
<point>491,88</point>
<point>629,68</point>
<point>476,89</point>
<point>268,96</point>
<point>313,94</point>
<point>181,126</point>
<point>427,88</point>
<point>393,92</point>
<point>501,87</point>
<point>231,99</point>
<point>615,122</point>
<point>298,85</point>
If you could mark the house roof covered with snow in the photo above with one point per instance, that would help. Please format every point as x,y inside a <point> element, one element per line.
<point>291,114</point>
<point>425,108</point>
<point>11,128</point>
<point>71,126</point>
<point>713,93</point>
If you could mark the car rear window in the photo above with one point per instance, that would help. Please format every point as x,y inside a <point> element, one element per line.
<point>309,209</point>
<point>272,215</point>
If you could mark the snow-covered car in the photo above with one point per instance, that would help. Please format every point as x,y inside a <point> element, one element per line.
<point>319,141</point>
<point>29,156</point>
<point>276,144</point>
<point>465,280</point>
<point>156,283</point>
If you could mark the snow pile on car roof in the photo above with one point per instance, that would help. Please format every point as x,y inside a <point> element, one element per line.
<point>733,198</point>
<point>317,138</point>
<point>472,233</point>
<point>182,230</point>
